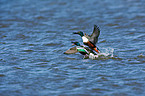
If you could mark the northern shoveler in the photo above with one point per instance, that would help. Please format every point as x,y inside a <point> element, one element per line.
<point>91,40</point>
<point>81,49</point>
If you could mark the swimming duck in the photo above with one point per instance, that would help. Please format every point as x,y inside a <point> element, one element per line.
<point>91,40</point>
<point>81,49</point>
<point>78,48</point>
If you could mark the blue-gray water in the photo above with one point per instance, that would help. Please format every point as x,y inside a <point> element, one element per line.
<point>35,33</point>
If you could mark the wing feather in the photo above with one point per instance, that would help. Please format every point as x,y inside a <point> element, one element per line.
<point>71,51</point>
<point>95,35</point>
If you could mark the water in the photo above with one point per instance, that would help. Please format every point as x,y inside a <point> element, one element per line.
<point>35,33</point>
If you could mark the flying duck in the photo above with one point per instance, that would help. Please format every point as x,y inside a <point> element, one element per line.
<point>91,40</point>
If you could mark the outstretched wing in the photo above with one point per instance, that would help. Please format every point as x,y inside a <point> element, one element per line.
<point>71,50</point>
<point>95,35</point>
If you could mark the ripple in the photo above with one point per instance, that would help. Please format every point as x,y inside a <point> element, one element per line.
<point>117,58</point>
<point>99,90</point>
<point>2,42</point>
<point>119,94</point>
<point>28,50</point>
<point>4,25</point>
<point>51,44</point>
<point>103,41</point>
<point>40,17</point>
<point>138,17</point>
<point>76,85</point>
<point>21,36</point>
<point>43,60</point>
<point>2,36</point>
<point>2,75</point>
<point>107,57</point>
<point>69,58</point>
<point>17,67</point>
<point>27,44</point>
<point>81,78</point>
<point>141,56</point>
<point>111,24</point>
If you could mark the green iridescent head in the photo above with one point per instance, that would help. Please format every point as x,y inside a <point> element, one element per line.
<point>76,43</point>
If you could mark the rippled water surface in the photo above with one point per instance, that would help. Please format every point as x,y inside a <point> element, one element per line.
<point>35,33</point>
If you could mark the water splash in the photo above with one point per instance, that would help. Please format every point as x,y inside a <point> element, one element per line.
<point>105,52</point>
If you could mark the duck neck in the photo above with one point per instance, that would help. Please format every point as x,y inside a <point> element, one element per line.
<point>85,39</point>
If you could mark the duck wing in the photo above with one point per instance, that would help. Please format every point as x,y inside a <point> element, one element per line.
<point>71,51</point>
<point>95,35</point>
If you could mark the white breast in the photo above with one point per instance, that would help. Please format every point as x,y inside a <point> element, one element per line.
<point>85,39</point>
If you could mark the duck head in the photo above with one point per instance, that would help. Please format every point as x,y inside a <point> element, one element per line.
<point>76,43</point>
<point>80,33</point>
